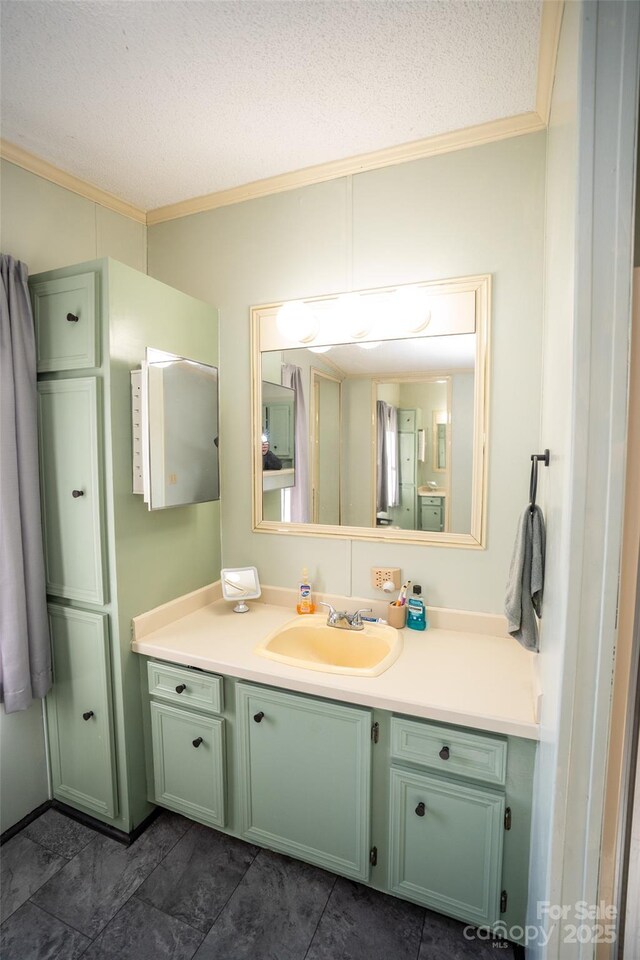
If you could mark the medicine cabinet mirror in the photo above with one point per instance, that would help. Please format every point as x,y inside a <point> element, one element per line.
<point>388,413</point>
<point>179,413</point>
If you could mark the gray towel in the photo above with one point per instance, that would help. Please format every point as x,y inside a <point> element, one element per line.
<point>526,579</point>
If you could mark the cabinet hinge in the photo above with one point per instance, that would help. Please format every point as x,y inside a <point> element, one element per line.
<point>373,856</point>
<point>375,732</point>
<point>507,819</point>
<point>503,902</point>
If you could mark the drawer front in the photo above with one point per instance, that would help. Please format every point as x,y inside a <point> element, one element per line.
<point>188,763</point>
<point>79,711</point>
<point>187,687</point>
<point>446,845</point>
<point>431,501</point>
<point>65,317</point>
<point>453,752</point>
<point>69,432</point>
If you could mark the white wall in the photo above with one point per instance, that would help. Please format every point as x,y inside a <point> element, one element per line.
<point>46,227</point>
<point>462,388</point>
<point>474,211</point>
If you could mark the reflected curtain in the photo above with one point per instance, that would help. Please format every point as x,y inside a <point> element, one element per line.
<point>25,652</point>
<point>295,500</point>
<point>387,478</point>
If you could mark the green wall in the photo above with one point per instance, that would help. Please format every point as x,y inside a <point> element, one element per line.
<point>473,211</point>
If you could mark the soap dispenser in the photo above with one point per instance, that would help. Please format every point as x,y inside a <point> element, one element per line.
<point>416,613</point>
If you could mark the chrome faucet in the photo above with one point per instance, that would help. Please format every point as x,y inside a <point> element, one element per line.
<point>343,620</point>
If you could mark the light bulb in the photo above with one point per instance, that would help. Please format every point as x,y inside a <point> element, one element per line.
<point>351,314</point>
<point>369,345</point>
<point>320,349</point>
<point>297,322</point>
<point>412,304</point>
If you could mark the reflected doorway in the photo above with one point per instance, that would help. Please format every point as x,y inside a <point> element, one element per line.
<point>325,448</point>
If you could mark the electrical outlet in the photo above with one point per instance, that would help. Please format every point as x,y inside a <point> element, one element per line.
<point>380,575</point>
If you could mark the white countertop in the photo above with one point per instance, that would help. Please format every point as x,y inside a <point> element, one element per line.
<point>454,676</point>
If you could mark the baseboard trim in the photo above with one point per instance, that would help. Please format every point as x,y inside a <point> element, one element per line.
<point>104,828</point>
<point>10,832</point>
<point>85,819</point>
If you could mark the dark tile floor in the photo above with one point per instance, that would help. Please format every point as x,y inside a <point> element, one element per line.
<point>183,891</point>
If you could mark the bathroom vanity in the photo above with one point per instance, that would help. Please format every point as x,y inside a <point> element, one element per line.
<point>398,781</point>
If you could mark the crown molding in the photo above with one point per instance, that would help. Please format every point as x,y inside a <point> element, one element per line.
<point>416,150</point>
<point>547,55</point>
<point>42,168</point>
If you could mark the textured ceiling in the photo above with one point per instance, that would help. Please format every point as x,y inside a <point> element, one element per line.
<point>160,101</point>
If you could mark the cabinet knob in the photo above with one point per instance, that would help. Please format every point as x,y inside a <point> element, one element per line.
<point>87,715</point>
<point>181,688</point>
<point>420,809</point>
<point>197,742</point>
<point>258,717</point>
<point>444,753</point>
<point>77,493</point>
<point>71,317</point>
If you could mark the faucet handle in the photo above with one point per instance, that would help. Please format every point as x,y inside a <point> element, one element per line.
<point>356,618</point>
<point>321,603</point>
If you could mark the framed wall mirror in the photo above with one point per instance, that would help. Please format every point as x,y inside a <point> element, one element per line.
<point>388,408</point>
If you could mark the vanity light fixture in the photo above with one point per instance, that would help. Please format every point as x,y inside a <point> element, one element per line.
<point>370,344</point>
<point>412,304</point>
<point>297,322</point>
<point>320,349</point>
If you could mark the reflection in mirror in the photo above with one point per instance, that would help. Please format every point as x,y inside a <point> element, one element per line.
<point>396,424</point>
<point>181,412</point>
<point>278,436</point>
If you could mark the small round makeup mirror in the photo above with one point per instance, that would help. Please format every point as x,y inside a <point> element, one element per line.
<point>240,584</point>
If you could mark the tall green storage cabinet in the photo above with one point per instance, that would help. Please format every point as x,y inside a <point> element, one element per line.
<point>107,557</point>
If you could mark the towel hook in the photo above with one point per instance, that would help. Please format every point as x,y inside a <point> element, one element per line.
<point>533,483</point>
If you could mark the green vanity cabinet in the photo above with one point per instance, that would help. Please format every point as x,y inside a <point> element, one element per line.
<point>70,481</point>
<point>304,773</point>
<point>433,813</point>
<point>79,711</point>
<point>432,513</point>
<point>107,557</point>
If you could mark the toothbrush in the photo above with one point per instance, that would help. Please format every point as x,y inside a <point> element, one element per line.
<point>402,596</point>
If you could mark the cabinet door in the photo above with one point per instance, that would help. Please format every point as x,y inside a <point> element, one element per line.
<point>431,518</point>
<point>305,778</point>
<point>446,845</point>
<point>64,312</point>
<point>281,429</point>
<point>406,421</point>
<point>68,428</point>
<point>79,712</point>
<point>188,763</point>
<point>407,458</point>
<point>407,508</point>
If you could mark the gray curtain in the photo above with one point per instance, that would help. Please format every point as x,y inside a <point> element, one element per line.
<point>387,477</point>
<point>297,497</point>
<point>25,652</point>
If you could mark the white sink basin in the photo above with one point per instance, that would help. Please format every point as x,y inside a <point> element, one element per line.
<point>307,641</point>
